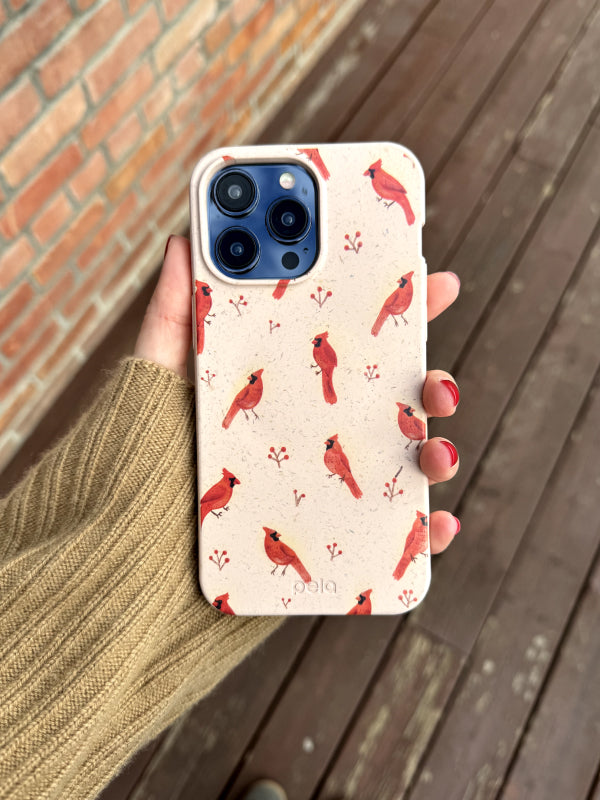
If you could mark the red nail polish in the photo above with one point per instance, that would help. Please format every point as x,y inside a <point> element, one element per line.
<point>452,450</point>
<point>167,246</point>
<point>453,389</point>
<point>456,519</point>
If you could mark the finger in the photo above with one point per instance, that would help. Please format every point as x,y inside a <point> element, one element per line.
<point>439,460</point>
<point>442,291</point>
<point>440,394</point>
<point>166,333</point>
<point>443,527</point>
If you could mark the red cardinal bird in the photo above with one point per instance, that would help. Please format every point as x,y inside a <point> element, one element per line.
<point>324,355</point>
<point>364,604</point>
<point>282,555</point>
<point>313,155</point>
<point>203,306</point>
<point>247,398</point>
<point>412,427</point>
<point>396,304</point>
<point>218,495</point>
<point>388,188</point>
<point>337,463</point>
<point>280,289</point>
<point>416,542</point>
<point>221,603</point>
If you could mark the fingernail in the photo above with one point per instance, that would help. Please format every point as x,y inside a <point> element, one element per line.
<point>452,450</point>
<point>454,275</point>
<point>167,246</point>
<point>456,519</point>
<point>453,389</point>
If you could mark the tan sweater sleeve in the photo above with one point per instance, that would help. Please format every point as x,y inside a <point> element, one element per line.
<point>105,637</point>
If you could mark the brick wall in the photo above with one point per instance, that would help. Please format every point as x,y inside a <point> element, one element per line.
<point>105,105</point>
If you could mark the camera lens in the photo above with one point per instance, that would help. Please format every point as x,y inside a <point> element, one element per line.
<point>288,220</point>
<point>235,192</point>
<point>237,249</point>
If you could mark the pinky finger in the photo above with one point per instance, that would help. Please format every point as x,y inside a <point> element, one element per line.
<point>443,527</point>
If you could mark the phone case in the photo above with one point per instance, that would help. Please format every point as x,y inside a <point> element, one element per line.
<point>308,399</point>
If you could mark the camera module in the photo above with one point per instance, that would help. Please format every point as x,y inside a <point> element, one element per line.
<point>288,220</point>
<point>235,192</point>
<point>237,249</point>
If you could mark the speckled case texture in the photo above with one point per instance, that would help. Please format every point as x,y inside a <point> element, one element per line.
<point>308,399</point>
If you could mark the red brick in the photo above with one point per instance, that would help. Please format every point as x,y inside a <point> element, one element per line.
<point>52,219</point>
<point>201,146</point>
<point>189,67</point>
<point>2,15</point>
<point>219,32</point>
<point>73,54</point>
<point>172,8</point>
<point>246,90</point>
<point>121,101</point>
<point>83,295</point>
<point>70,341</point>
<point>56,258</point>
<point>222,98</point>
<point>176,208</point>
<point>243,9</point>
<point>82,5</point>
<point>183,34</point>
<point>134,6</point>
<point>14,260</point>
<point>195,96</point>
<point>33,146</point>
<point>128,266</point>
<point>13,305</point>
<point>123,139</point>
<point>21,335</point>
<point>17,109</point>
<point>270,37</point>
<point>35,32</point>
<point>237,128</point>
<point>34,196</point>
<point>240,45</point>
<point>123,178</point>
<point>22,400</point>
<point>158,100</point>
<point>300,28</point>
<point>89,177</point>
<point>103,237</point>
<point>136,39</point>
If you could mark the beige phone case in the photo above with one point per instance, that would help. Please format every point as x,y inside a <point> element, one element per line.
<point>308,399</point>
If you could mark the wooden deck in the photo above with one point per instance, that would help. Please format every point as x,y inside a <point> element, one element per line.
<point>491,688</point>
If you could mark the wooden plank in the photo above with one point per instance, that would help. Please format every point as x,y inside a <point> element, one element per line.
<point>473,169</point>
<point>336,87</point>
<point>492,367</point>
<point>299,738</point>
<point>510,480</point>
<point>387,741</point>
<point>568,105</point>
<point>200,750</point>
<point>443,117</point>
<point>559,757</point>
<point>120,788</point>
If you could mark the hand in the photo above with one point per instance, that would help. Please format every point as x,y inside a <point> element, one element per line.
<point>166,338</point>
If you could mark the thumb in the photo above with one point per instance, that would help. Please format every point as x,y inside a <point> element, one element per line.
<point>166,333</point>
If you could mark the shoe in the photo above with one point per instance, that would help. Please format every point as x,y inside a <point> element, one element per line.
<point>264,790</point>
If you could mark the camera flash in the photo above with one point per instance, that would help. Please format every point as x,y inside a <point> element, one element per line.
<point>287,180</point>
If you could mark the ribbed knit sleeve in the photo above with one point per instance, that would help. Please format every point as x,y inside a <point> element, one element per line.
<point>105,637</point>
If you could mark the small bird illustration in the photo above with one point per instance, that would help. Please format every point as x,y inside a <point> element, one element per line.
<point>313,155</point>
<point>282,555</point>
<point>338,464</point>
<point>218,495</point>
<point>417,542</point>
<point>326,358</point>
<point>247,398</point>
<point>412,427</point>
<point>388,188</point>
<point>363,606</point>
<point>396,304</point>
<point>279,290</point>
<point>203,306</point>
<point>221,602</point>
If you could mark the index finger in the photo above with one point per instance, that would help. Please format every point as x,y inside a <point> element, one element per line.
<point>442,291</point>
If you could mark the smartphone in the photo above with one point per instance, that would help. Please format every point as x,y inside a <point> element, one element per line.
<point>309,307</point>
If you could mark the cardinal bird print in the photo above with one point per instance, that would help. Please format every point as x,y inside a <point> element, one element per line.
<point>282,555</point>
<point>412,427</point>
<point>222,603</point>
<point>218,496</point>
<point>337,463</point>
<point>417,542</point>
<point>313,155</point>
<point>247,398</point>
<point>388,188</point>
<point>203,306</point>
<point>363,605</point>
<point>326,361</point>
<point>396,304</point>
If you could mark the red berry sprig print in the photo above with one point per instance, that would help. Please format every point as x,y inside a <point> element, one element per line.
<point>391,490</point>
<point>278,455</point>
<point>273,325</point>
<point>220,559</point>
<point>322,297</point>
<point>406,598</point>
<point>353,242</point>
<point>209,376</point>
<point>332,551</point>
<point>239,302</point>
<point>298,497</point>
<point>286,602</point>
<point>371,374</point>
